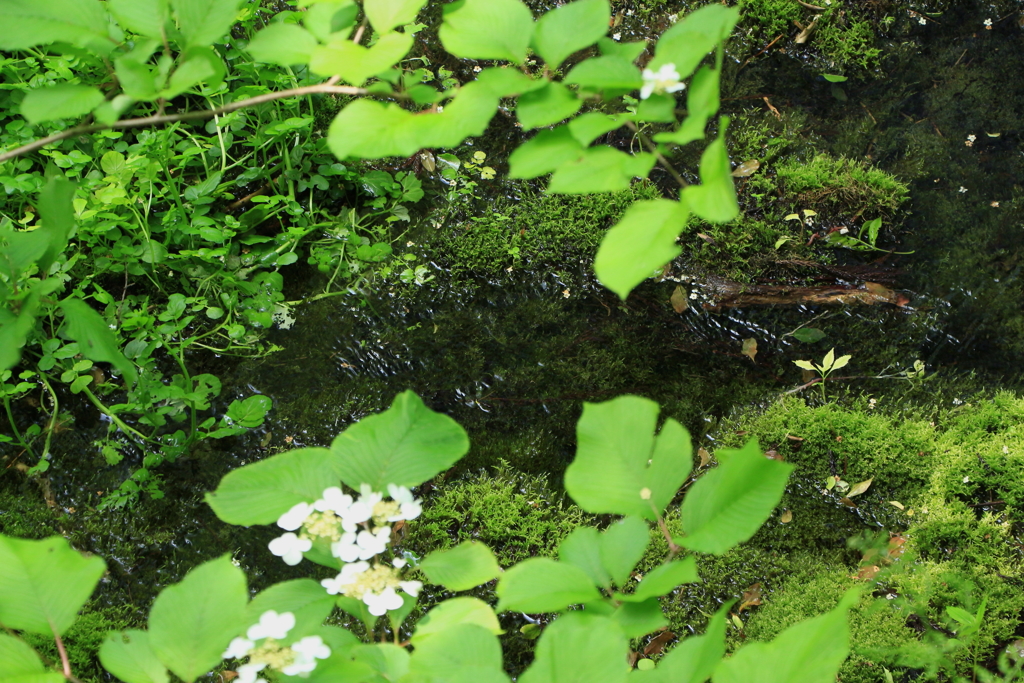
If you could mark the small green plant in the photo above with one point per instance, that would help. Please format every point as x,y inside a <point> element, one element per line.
<point>829,364</point>
<point>842,238</point>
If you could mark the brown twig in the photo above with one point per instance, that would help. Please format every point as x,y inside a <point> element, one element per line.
<point>322,88</point>
<point>65,664</point>
<point>653,149</point>
<point>763,50</point>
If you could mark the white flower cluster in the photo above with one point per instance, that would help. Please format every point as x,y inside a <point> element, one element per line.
<point>375,585</point>
<point>297,659</point>
<point>665,79</point>
<point>338,517</point>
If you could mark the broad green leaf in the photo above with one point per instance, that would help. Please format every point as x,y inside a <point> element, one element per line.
<point>58,218</point>
<point>627,51</point>
<point>63,101</point>
<point>282,44</point>
<point>261,492</point>
<point>305,598</point>
<point>405,445</point>
<point>808,335</point>
<point>249,412</point>
<point>466,115</point>
<point>685,44</point>
<point>145,17</point>
<point>487,29</point>
<point>546,105</point>
<point>390,661</point>
<point>327,18</point>
<point>588,127</point>
<point>44,583</point>
<point>829,359</point>
<point>582,548</point>
<point>137,79</point>
<point>714,199</point>
<point>95,340</point>
<point>569,28</point>
<point>465,566</point>
<point>663,579</point>
<point>808,652</point>
<point>359,610</point>
<point>14,329</point>
<point>622,545</point>
<point>200,65</point>
<point>841,362</point>
<point>192,622</point>
<point>805,365</point>
<point>462,653</point>
<point>355,63</point>
<point>455,611</point>
<point>544,153</point>
<point>202,22</point>
<point>27,23</point>
<point>579,648</point>
<point>693,659</point>
<point>129,656</point>
<point>366,129</point>
<point>637,619</point>
<point>702,102</point>
<point>730,503</point>
<point>610,75</point>
<point>621,467</point>
<point>642,241</point>
<point>543,585</point>
<point>508,81</point>
<point>601,169</point>
<point>385,15</point>
<point>17,658</point>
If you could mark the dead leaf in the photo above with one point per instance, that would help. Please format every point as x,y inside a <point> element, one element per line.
<point>802,37</point>
<point>705,457</point>
<point>860,487</point>
<point>679,299</point>
<point>896,504</point>
<point>787,517</point>
<point>399,532</point>
<point>749,348</point>
<point>808,376</point>
<point>228,675</point>
<point>658,643</point>
<point>771,108</point>
<point>847,502</point>
<point>751,597</point>
<point>794,438</point>
<point>773,454</point>
<point>631,659</point>
<point>869,572</point>
<point>747,168</point>
<point>707,238</point>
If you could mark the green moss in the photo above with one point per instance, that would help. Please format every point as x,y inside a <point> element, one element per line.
<point>839,185</point>
<point>84,638</point>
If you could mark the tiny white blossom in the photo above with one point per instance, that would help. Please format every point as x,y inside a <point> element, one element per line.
<point>349,574</point>
<point>307,651</point>
<point>293,519</point>
<point>410,507</point>
<point>247,672</point>
<point>967,480</point>
<point>843,231</point>
<point>238,648</point>
<point>380,603</point>
<point>962,189</point>
<point>665,79</point>
<point>616,36</point>
<point>477,69</point>
<point>440,108</point>
<point>922,21</point>
<point>272,625</point>
<point>333,500</point>
<point>673,17</point>
<point>290,547</point>
<point>693,295</point>
<point>361,546</point>
<point>988,23</point>
<point>398,563</point>
<point>411,587</point>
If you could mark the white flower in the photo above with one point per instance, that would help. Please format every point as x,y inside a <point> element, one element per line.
<point>922,21</point>
<point>361,546</point>
<point>293,519</point>
<point>272,625</point>
<point>238,648</point>
<point>962,189</point>
<point>398,562</point>
<point>988,23</point>
<point>307,651</point>
<point>290,547</point>
<point>410,507</point>
<point>616,36</point>
<point>967,480</point>
<point>411,587</point>
<point>247,672</point>
<point>477,69</point>
<point>333,501</point>
<point>665,79</point>
<point>440,109</point>
<point>349,574</point>
<point>379,603</point>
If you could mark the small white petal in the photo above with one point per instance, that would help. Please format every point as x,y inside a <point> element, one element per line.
<point>398,563</point>
<point>247,672</point>
<point>411,587</point>
<point>272,625</point>
<point>238,648</point>
<point>293,519</point>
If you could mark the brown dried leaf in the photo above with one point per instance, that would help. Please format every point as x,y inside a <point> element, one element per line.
<point>749,348</point>
<point>860,487</point>
<point>751,597</point>
<point>787,517</point>
<point>705,457</point>
<point>747,168</point>
<point>679,299</point>
<point>631,659</point>
<point>847,502</point>
<point>774,455</point>
<point>869,572</point>
<point>658,643</point>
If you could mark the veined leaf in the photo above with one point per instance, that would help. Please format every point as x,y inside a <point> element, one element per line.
<point>27,23</point>
<point>487,29</point>
<point>463,653</point>
<point>544,153</point>
<point>462,610</point>
<point>63,101</point>
<point>643,240</point>
<point>685,44</point>
<point>571,27</point>
<point>385,15</point>
<point>282,44</point>
<point>129,656</point>
<point>588,127</point>
<point>202,22</point>
<point>714,199</point>
<point>610,75</point>
<point>355,63</point>
<point>600,169</point>
<point>465,566</point>
<point>328,18</point>
<point>546,105</point>
<point>145,17</point>
<point>366,129</point>
<point>543,585</point>
<point>702,102</point>
<point>579,648</point>
<point>17,658</point>
<point>95,340</point>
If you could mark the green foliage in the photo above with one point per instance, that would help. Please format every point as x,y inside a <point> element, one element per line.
<point>840,184</point>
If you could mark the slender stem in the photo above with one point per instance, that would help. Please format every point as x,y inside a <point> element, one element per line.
<point>113,417</point>
<point>65,664</point>
<point>53,417</point>
<point>321,88</point>
<point>653,149</point>
<point>673,548</point>
<point>14,426</point>
<point>359,32</point>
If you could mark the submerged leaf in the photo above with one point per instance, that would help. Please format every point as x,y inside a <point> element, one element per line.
<point>679,299</point>
<point>749,348</point>
<point>747,168</point>
<point>860,487</point>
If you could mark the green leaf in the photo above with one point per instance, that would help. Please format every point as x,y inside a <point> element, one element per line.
<point>609,75</point>
<point>359,610</point>
<point>600,169</point>
<point>663,579</point>
<point>621,467</point>
<point>203,22</point>
<point>466,115</point>
<point>833,78</point>
<point>261,492</point>
<point>579,648</point>
<point>588,127</point>
<point>282,44</point>
<point>487,29</point>
<point>200,65</point>
<point>694,659</point>
<point>569,28</point>
<point>129,656</point>
<point>145,17</point>
<point>63,101</point>
<point>44,583</point>
<point>137,79</point>
<point>462,653</point>
<point>17,658</point>
<point>250,412</point>
<point>622,545</point>
<point>582,548</point>
<point>543,585</point>
<point>455,611</point>
<point>805,365</point>
<point>28,23</point>
<point>714,199</point>
<point>685,44</point>
<point>192,622</point>
<point>367,129</point>
<point>637,619</point>
<point>507,81</point>
<point>544,153</point>
<point>546,105</point>
<point>355,63</point>
<point>809,652</point>
<point>702,102</point>
<point>626,51</point>
<point>58,218</point>
<point>730,503</point>
<point>405,445</point>
<point>808,335</point>
<point>465,566</point>
<point>642,241</point>
<point>658,108</point>
<point>326,18</point>
<point>385,15</point>
<point>305,598</point>
<point>95,340</point>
